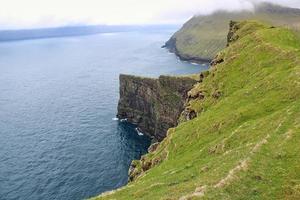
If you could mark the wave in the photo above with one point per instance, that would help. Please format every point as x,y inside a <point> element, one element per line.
<point>123,120</point>
<point>139,132</point>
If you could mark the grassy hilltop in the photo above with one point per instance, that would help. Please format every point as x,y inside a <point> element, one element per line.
<point>244,141</point>
<point>204,36</point>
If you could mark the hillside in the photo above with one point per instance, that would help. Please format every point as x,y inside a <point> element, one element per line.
<point>68,31</point>
<point>244,140</point>
<point>202,37</point>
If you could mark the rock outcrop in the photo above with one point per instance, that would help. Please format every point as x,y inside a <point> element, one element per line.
<point>231,36</point>
<point>154,105</point>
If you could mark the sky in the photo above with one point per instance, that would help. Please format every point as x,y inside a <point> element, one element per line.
<point>16,14</point>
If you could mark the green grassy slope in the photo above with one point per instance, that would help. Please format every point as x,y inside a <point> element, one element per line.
<point>244,144</point>
<point>205,36</point>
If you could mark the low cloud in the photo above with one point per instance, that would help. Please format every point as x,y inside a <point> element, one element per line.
<point>204,7</point>
<point>47,13</point>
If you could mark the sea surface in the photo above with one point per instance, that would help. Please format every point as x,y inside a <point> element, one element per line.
<point>58,98</point>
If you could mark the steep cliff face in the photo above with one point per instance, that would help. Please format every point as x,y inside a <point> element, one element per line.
<point>202,37</point>
<point>242,142</point>
<point>154,105</point>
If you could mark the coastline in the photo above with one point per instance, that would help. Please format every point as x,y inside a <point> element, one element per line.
<point>170,45</point>
<point>198,157</point>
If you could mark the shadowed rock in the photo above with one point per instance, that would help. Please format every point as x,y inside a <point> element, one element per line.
<point>154,105</point>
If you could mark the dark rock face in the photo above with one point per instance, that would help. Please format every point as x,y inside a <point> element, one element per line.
<point>154,105</point>
<point>217,60</point>
<point>171,45</point>
<point>231,37</point>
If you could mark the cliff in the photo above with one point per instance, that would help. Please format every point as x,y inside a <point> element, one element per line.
<point>243,142</point>
<point>154,105</point>
<point>202,37</point>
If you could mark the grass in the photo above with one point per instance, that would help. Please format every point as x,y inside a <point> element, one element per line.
<point>205,36</point>
<point>243,144</point>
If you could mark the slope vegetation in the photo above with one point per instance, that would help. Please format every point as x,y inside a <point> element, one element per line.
<point>244,141</point>
<point>202,37</point>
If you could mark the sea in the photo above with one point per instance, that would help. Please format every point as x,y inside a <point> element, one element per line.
<point>59,138</point>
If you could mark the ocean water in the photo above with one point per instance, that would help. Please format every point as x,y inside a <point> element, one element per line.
<point>58,98</point>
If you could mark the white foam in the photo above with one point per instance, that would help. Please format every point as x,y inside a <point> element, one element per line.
<point>123,120</point>
<point>139,132</point>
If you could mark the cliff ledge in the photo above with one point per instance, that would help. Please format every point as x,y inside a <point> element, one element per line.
<point>154,105</point>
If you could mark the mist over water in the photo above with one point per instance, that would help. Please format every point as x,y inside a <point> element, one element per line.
<point>57,100</point>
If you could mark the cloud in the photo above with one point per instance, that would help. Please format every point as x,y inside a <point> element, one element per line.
<point>47,13</point>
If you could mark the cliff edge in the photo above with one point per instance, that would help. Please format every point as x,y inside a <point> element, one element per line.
<point>154,105</point>
<point>244,141</point>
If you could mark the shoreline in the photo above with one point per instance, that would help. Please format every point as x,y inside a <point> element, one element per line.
<point>191,59</point>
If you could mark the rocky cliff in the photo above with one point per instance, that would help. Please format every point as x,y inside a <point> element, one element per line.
<point>243,141</point>
<point>154,105</point>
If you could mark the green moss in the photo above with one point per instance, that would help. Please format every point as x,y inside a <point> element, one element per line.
<point>245,143</point>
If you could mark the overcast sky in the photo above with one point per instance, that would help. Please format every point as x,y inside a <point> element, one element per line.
<point>48,13</point>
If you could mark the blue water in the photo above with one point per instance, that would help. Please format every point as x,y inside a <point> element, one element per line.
<point>57,100</point>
